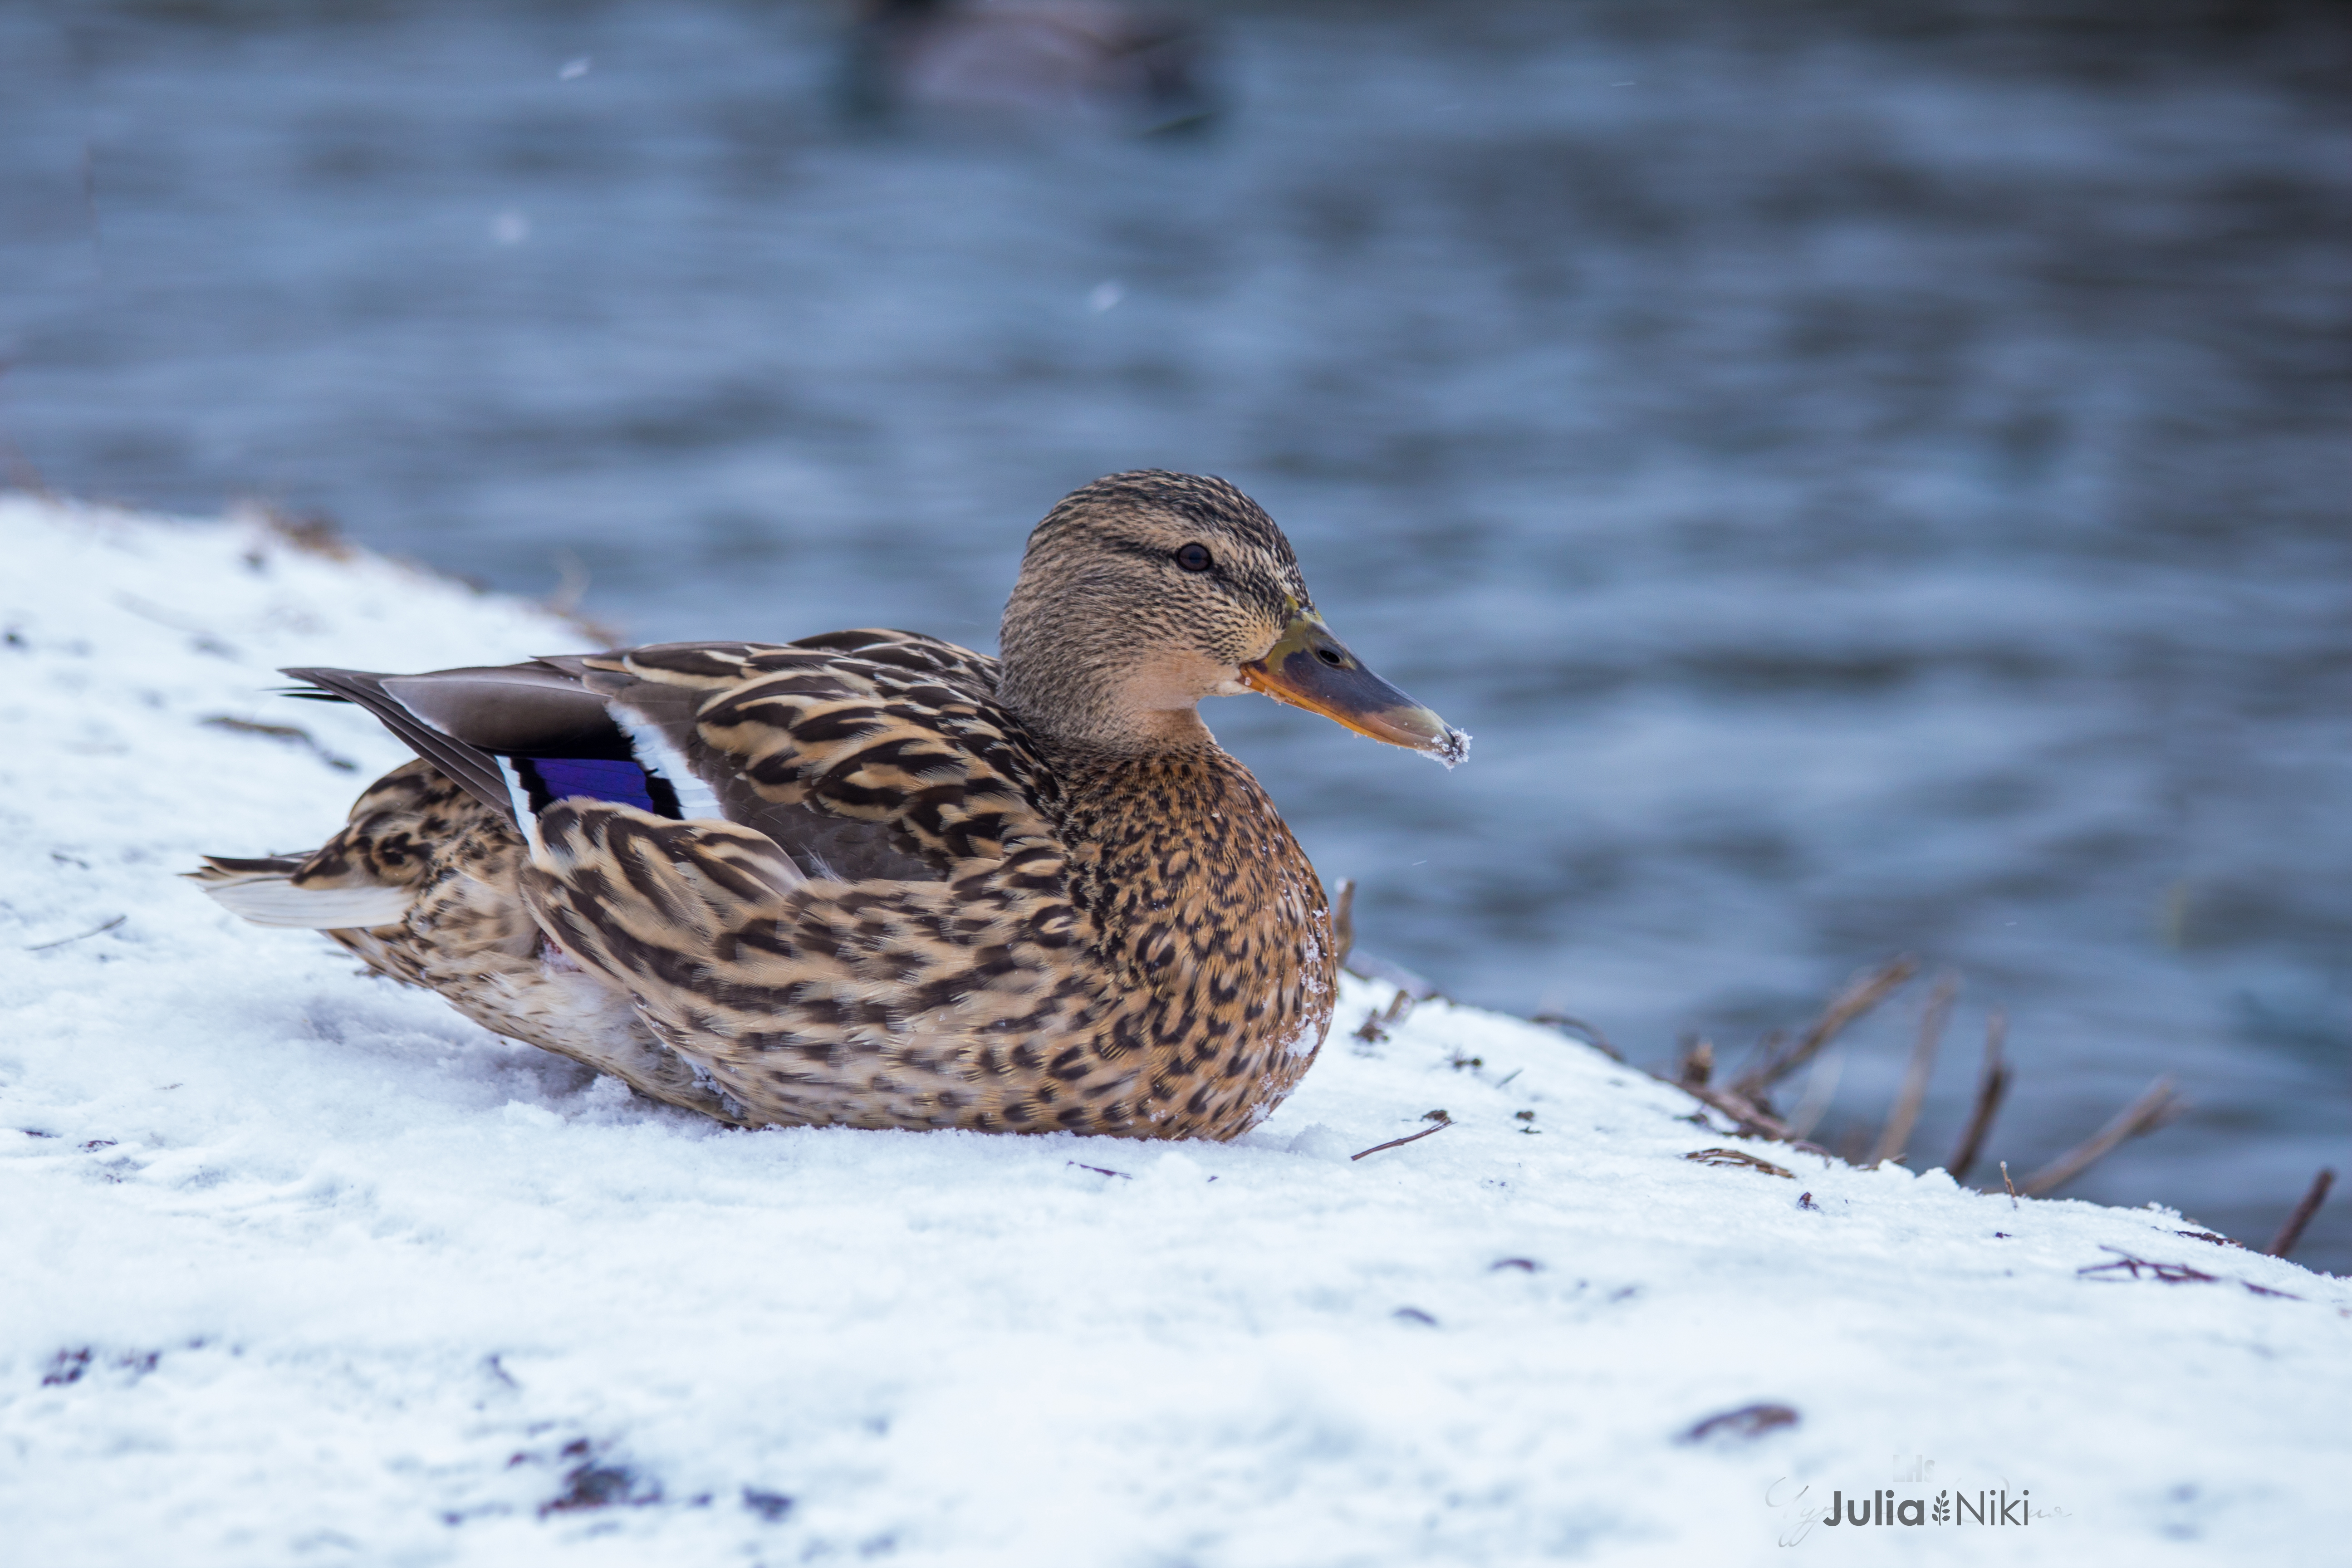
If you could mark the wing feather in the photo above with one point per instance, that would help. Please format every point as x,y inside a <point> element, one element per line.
<point>866,754</point>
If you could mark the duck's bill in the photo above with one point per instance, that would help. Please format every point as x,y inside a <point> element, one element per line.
<point>1311,668</point>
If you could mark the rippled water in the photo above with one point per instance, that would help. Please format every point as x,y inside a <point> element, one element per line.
<point>1867,491</point>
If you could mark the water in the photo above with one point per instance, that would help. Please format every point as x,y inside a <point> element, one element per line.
<point>1870,481</point>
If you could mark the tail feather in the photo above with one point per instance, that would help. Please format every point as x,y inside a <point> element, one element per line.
<point>264,891</point>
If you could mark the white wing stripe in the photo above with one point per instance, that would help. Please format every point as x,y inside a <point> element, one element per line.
<point>656,755</point>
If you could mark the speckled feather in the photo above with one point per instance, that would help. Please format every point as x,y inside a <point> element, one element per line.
<point>1090,959</point>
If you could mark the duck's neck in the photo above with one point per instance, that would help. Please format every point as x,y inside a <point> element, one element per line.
<point>1124,714</point>
<point>1111,693</point>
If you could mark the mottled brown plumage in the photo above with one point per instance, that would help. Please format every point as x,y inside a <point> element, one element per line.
<point>880,880</point>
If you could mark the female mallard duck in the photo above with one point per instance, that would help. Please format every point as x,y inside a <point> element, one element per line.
<point>870,878</point>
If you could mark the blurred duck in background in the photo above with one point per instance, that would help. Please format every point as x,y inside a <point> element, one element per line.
<point>1130,69</point>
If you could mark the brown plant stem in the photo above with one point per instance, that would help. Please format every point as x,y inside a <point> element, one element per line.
<point>2156,1106</point>
<point>1896,1134</point>
<point>2291,1231</point>
<point>1856,999</point>
<point>1993,1087</point>
<point>1400,1142</point>
<point>1343,920</point>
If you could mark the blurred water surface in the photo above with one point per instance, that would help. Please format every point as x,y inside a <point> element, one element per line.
<point>1871,480</point>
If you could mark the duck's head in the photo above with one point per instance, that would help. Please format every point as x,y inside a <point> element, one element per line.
<point>1145,592</point>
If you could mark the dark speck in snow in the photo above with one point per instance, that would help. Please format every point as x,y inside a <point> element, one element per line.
<point>1747,1421</point>
<point>599,1486</point>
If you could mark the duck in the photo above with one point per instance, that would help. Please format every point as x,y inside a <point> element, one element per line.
<point>871,878</point>
<point>1145,69</point>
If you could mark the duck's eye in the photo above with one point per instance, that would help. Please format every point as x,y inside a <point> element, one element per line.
<point>1195,558</point>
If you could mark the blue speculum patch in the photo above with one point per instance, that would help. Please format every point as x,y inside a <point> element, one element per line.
<point>558,778</point>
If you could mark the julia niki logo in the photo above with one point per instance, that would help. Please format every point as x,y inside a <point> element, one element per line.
<point>1993,1508</point>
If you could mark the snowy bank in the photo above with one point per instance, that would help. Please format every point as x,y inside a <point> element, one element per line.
<point>302,1268</point>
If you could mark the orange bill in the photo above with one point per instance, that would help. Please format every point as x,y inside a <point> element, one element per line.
<point>1311,668</point>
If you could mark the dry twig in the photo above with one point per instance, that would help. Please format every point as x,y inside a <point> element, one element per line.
<point>79,936</point>
<point>293,732</point>
<point>1852,1003</point>
<point>1993,1087</point>
<point>2171,1273</point>
<point>1896,1134</point>
<point>1741,1158</point>
<point>1443,1121</point>
<point>2155,1107</point>
<point>1375,1027</point>
<point>1343,921</point>
<point>2167,1273</point>
<point>1748,1120</point>
<point>1749,1421</point>
<point>2291,1231</point>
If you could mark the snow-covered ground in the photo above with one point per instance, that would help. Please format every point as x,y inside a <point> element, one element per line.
<point>301,1267</point>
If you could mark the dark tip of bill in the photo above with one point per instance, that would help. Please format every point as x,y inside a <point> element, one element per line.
<point>1451,748</point>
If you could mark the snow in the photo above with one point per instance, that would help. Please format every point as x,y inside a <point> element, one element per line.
<point>304,1269</point>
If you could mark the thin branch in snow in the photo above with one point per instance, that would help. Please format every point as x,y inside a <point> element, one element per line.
<point>1376,1023</point>
<point>2214,1236</point>
<point>1343,921</point>
<point>2156,1106</point>
<point>292,733</point>
<point>1852,1003</point>
<point>2009,1184</point>
<point>1992,1086</point>
<point>1749,1122</point>
<point>1747,1421</point>
<point>1896,1134</point>
<point>1443,1121</point>
<point>1101,1170</point>
<point>79,936</point>
<point>2291,1231</point>
<point>1741,1158</point>
<point>2171,1273</point>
